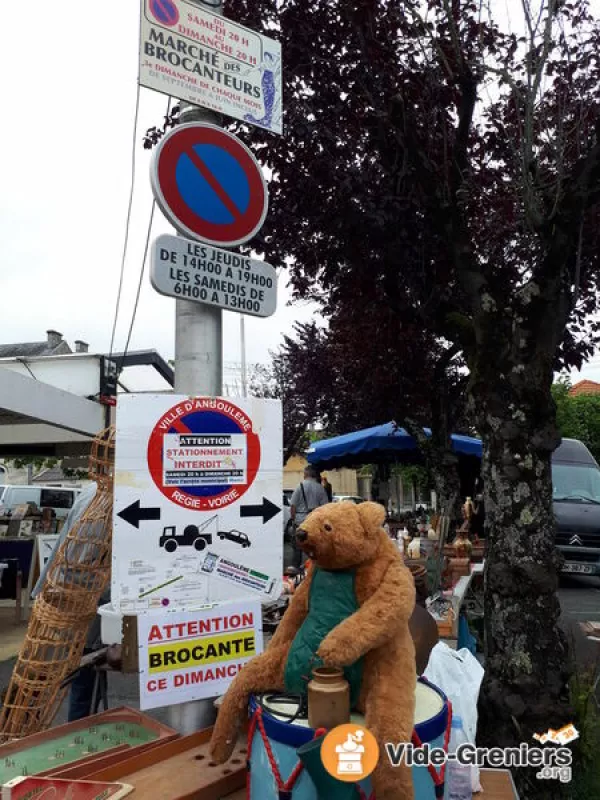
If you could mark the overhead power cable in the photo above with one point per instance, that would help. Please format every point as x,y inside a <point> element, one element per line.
<point>139,287</point>
<point>130,203</point>
<point>128,220</point>
<point>141,278</point>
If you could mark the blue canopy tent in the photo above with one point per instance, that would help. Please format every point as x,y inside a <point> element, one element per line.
<point>381,444</point>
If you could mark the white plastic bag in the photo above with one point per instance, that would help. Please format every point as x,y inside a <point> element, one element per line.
<point>458,674</point>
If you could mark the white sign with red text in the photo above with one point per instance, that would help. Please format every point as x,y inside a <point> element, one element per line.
<point>195,655</point>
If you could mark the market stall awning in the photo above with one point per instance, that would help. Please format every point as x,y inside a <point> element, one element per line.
<point>383,443</point>
<point>50,404</point>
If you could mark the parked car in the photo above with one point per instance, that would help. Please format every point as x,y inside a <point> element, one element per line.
<point>235,536</point>
<point>59,498</point>
<point>344,498</point>
<point>576,500</point>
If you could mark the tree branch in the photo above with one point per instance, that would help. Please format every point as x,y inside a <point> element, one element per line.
<point>564,228</point>
<point>468,83</point>
<point>444,362</point>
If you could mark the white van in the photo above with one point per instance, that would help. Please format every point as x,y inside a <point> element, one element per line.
<point>59,498</point>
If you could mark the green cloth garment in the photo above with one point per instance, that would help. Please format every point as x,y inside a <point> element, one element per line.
<point>331,600</point>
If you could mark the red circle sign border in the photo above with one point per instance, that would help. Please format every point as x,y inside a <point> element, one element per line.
<point>155,451</point>
<point>181,216</point>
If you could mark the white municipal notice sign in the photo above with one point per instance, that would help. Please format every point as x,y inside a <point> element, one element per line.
<point>198,502</point>
<point>198,272</point>
<point>206,59</point>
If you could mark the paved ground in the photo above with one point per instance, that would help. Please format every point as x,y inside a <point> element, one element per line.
<point>123,691</point>
<point>580,598</point>
<point>580,601</point>
<point>11,634</point>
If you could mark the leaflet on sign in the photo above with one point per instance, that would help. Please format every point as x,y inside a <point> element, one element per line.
<point>238,574</point>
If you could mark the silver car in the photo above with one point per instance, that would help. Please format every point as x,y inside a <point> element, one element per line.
<point>345,498</point>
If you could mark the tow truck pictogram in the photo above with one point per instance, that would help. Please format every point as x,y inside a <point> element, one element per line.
<point>192,536</point>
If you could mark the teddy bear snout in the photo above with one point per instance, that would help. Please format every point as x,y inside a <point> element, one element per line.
<point>301,536</point>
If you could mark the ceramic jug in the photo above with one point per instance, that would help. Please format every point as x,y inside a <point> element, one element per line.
<point>328,698</point>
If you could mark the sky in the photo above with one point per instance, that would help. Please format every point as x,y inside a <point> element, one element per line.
<point>68,96</point>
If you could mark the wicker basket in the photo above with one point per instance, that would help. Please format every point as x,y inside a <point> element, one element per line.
<point>62,613</point>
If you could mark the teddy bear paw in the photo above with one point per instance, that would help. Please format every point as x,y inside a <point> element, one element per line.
<point>332,654</point>
<point>221,750</point>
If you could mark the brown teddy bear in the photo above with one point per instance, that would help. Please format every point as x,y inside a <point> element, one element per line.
<point>352,611</point>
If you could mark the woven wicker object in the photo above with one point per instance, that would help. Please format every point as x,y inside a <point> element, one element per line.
<point>63,611</point>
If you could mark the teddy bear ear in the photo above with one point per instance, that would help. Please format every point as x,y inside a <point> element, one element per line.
<point>372,515</point>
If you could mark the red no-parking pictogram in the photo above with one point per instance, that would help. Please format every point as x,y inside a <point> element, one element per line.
<point>209,185</point>
<point>203,454</point>
<point>165,12</point>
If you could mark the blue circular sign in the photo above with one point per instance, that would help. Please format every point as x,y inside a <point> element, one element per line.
<point>199,191</point>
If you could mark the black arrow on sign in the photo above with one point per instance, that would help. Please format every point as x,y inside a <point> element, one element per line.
<point>267,510</point>
<point>133,514</point>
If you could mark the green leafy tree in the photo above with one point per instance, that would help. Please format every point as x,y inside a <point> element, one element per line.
<point>578,417</point>
<point>455,165</point>
<point>298,376</point>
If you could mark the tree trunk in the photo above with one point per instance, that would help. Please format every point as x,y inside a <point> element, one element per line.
<point>441,463</point>
<point>526,655</point>
<point>446,482</point>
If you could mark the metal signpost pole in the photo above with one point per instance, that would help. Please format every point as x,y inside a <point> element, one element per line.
<point>199,328</point>
<point>243,349</point>
<point>194,164</point>
<point>198,371</point>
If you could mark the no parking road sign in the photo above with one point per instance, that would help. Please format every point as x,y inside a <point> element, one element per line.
<point>203,454</point>
<point>209,185</point>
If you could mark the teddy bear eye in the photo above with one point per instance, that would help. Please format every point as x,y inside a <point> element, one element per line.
<point>328,527</point>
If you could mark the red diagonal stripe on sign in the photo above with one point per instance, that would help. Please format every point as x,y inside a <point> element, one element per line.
<point>213,183</point>
<point>180,427</point>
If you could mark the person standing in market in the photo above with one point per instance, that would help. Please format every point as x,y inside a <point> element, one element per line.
<point>328,487</point>
<point>307,496</point>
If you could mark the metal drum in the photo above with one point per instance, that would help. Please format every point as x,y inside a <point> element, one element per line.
<point>272,774</point>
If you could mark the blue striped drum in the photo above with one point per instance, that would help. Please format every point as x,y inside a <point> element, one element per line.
<point>285,737</point>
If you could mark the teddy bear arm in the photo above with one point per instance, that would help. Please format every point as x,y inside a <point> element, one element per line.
<point>263,673</point>
<point>376,621</point>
